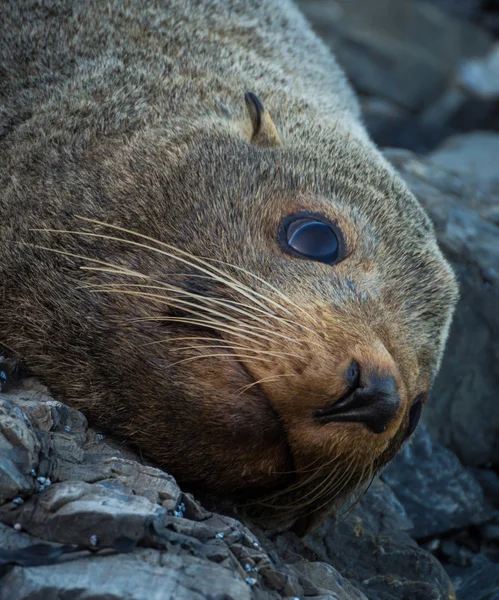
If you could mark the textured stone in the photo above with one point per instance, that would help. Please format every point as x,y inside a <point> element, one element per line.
<point>370,546</point>
<point>401,50</point>
<point>437,492</point>
<point>480,581</point>
<point>480,76</point>
<point>462,411</point>
<point>71,523</point>
<point>145,575</point>
<point>472,154</point>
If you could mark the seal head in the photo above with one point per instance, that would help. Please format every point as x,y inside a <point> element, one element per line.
<point>269,323</point>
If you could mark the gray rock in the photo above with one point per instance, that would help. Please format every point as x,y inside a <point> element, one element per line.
<point>390,125</point>
<point>489,480</point>
<point>401,50</point>
<point>373,549</point>
<point>474,155</point>
<point>19,447</point>
<point>480,581</point>
<point>480,76</point>
<point>465,9</point>
<point>370,546</point>
<point>462,411</point>
<point>145,575</point>
<point>437,492</point>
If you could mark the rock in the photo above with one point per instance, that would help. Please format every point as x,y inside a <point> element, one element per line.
<point>437,492</point>
<point>116,528</point>
<point>480,76</point>
<point>480,581</point>
<point>401,50</point>
<point>464,9</point>
<point>145,575</point>
<point>370,546</point>
<point>489,480</point>
<point>462,411</point>
<point>392,126</point>
<point>326,580</point>
<point>475,155</point>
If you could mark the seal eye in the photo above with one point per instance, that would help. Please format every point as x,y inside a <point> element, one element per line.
<point>310,237</point>
<point>414,415</point>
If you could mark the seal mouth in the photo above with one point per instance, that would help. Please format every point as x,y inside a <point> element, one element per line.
<point>283,436</point>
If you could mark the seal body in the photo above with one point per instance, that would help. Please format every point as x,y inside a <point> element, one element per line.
<point>143,278</point>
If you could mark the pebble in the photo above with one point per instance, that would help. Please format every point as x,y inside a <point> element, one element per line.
<point>251,581</point>
<point>433,545</point>
<point>32,473</point>
<point>67,428</point>
<point>18,526</point>
<point>220,536</point>
<point>94,540</point>
<point>44,483</point>
<point>179,512</point>
<point>100,437</point>
<point>18,501</point>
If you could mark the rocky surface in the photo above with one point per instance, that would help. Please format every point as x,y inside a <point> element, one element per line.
<point>463,202</point>
<point>421,45</point>
<point>424,69</point>
<point>81,517</point>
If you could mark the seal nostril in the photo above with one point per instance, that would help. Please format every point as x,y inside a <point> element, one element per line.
<point>374,401</point>
<point>414,416</point>
<point>352,376</point>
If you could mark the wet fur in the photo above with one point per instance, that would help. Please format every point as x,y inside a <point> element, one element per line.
<point>133,114</point>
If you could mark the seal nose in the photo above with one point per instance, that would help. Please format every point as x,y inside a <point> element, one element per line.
<point>371,399</point>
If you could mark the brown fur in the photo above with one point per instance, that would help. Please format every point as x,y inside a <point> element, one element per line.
<point>133,113</point>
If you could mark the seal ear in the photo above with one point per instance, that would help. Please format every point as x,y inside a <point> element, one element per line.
<point>263,131</point>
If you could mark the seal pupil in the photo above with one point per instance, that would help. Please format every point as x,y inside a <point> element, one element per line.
<point>314,240</point>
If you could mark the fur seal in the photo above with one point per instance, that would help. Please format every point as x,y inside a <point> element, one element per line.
<point>203,251</point>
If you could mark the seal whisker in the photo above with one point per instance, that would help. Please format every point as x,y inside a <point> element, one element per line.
<point>347,512</point>
<point>205,261</point>
<point>256,350</point>
<point>178,303</point>
<point>117,269</point>
<point>245,388</point>
<point>303,483</point>
<point>274,289</point>
<point>208,323</point>
<point>329,493</point>
<point>163,285</point>
<point>336,487</point>
<point>215,274</point>
<point>182,338</point>
<point>127,271</point>
<point>293,487</point>
<point>322,482</point>
<point>204,299</point>
<point>225,354</point>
